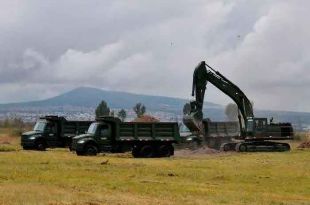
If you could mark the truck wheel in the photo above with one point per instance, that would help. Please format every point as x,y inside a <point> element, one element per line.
<point>90,150</point>
<point>165,151</point>
<point>40,145</point>
<point>241,147</point>
<point>70,147</point>
<point>136,152</point>
<point>225,147</point>
<point>147,151</point>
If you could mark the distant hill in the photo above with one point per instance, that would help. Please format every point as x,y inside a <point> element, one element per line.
<point>85,99</point>
<point>91,97</point>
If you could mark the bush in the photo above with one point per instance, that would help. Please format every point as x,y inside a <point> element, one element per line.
<point>15,122</point>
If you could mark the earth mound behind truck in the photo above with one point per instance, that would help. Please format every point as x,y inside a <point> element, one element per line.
<point>143,139</point>
<point>52,132</point>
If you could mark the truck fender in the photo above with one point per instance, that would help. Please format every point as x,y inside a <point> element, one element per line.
<point>90,141</point>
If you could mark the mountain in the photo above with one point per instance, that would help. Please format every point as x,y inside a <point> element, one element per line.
<point>85,100</point>
<point>91,97</point>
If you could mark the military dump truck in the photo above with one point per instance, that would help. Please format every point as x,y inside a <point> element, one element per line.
<point>52,132</point>
<point>143,139</point>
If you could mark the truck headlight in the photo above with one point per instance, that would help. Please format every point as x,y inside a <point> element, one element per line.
<point>81,141</point>
<point>32,137</point>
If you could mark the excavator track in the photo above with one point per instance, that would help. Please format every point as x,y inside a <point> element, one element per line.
<point>256,146</point>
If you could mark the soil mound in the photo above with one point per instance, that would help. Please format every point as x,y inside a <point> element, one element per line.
<point>146,118</point>
<point>304,145</point>
<point>198,151</point>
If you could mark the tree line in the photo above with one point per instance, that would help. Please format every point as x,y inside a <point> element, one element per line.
<point>104,110</point>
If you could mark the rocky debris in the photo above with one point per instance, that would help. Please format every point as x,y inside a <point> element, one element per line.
<point>304,145</point>
<point>104,162</point>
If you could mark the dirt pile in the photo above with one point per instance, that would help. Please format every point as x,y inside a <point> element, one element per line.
<point>146,118</point>
<point>5,140</point>
<point>304,145</point>
<point>198,151</point>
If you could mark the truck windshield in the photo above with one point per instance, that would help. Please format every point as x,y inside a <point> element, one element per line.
<point>40,126</point>
<point>92,128</point>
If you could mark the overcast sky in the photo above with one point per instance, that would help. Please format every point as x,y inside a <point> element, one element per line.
<point>152,47</point>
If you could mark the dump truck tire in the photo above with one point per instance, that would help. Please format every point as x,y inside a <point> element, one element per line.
<point>136,152</point>
<point>147,151</point>
<point>165,151</point>
<point>91,150</point>
<point>241,147</point>
<point>40,145</point>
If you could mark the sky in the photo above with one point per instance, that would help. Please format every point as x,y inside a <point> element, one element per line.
<point>152,47</point>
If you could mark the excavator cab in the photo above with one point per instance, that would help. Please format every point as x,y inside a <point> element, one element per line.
<point>260,127</point>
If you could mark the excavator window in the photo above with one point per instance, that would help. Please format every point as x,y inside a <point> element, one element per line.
<point>260,124</point>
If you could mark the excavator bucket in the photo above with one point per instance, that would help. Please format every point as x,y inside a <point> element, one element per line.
<point>192,118</point>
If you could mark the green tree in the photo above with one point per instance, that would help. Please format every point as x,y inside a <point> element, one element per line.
<point>231,111</point>
<point>139,109</point>
<point>102,109</point>
<point>122,114</point>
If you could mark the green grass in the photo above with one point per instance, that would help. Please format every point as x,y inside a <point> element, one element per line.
<point>62,178</point>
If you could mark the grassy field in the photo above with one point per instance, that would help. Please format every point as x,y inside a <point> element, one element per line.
<point>58,177</point>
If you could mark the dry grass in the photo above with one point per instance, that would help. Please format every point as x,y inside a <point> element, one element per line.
<point>302,136</point>
<point>58,177</point>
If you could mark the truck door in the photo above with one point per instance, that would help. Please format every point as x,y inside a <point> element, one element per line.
<point>51,134</point>
<point>104,136</point>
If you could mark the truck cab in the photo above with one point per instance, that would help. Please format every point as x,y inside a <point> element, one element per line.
<point>52,131</point>
<point>44,134</point>
<point>101,133</point>
<point>98,138</point>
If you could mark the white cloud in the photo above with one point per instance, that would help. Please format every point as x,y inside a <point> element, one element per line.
<point>153,47</point>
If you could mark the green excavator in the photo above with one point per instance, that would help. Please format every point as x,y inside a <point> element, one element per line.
<point>256,134</point>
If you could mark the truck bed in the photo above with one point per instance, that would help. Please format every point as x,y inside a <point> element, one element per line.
<point>73,128</point>
<point>221,129</point>
<point>161,131</point>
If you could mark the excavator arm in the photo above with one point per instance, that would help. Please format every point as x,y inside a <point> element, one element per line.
<point>201,77</point>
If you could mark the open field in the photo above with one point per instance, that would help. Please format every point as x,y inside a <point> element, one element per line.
<point>62,178</point>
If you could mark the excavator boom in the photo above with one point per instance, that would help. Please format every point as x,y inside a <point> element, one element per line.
<point>202,76</point>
